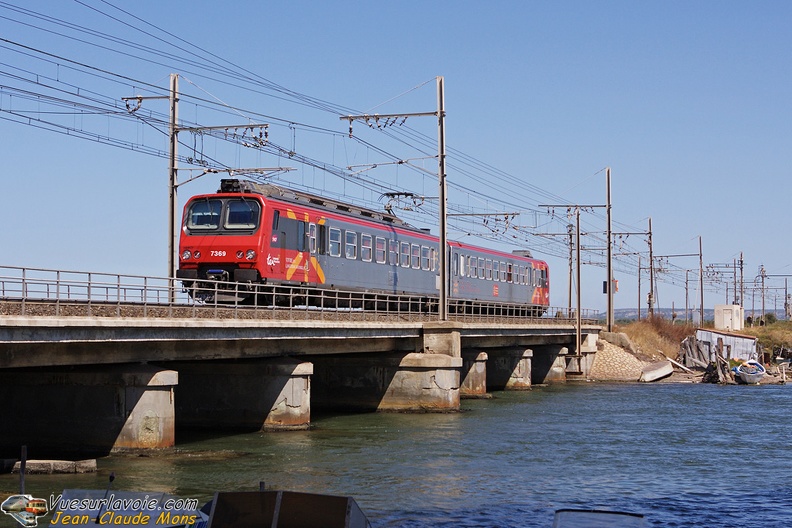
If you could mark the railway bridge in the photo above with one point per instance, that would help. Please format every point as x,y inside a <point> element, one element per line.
<point>89,365</point>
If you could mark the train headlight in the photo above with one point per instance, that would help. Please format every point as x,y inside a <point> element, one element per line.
<point>186,254</point>
<point>240,254</point>
<point>197,255</point>
<point>250,254</point>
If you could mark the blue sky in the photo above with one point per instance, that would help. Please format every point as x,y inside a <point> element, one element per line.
<point>686,102</point>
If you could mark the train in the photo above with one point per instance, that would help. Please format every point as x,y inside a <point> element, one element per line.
<point>252,239</point>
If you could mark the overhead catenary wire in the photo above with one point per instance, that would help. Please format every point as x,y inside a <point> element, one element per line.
<point>500,190</point>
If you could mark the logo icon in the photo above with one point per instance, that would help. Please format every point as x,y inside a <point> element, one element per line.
<point>24,509</point>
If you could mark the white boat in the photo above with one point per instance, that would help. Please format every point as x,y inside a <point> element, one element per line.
<point>657,370</point>
<point>750,372</point>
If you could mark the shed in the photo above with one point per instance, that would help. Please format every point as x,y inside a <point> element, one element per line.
<point>735,346</point>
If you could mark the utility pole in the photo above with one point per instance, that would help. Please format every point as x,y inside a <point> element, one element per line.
<point>736,296</point>
<point>762,274</point>
<point>742,282</point>
<point>660,257</point>
<point>570,228</point>
<point>650,297</point>
<point>610,251</point>
<point>173,168</point>
<point>173,243</point>
<point>701,282</point>
<point>639,287</point>
<point>442,260</point>
<point>787,304</point>
<point>578,319</point>
<point>686,297</point>
<point>577,238</point>
<point>441,175</point>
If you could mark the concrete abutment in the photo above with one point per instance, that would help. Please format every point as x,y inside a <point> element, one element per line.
<point>406,382</point>
<point>252,395</point>
<point>87,410</point>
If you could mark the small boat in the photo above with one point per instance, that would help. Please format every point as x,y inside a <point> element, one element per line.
<point>284,509</point>
<point>657,370</point>
<point>573,518</point>
<point>750,372</point>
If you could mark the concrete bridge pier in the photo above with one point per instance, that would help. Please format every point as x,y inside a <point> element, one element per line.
<point>473,377</point>
<point>550,364</point>
<point>405,382</point>
<point>578,366</point>
<point>86,411</point>
<point>424,380</point>
<point>509,368</point>
<point>252,395</point>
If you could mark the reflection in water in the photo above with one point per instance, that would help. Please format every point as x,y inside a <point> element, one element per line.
<point>669,451</point>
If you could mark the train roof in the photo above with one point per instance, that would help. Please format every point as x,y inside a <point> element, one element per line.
<point>233,185</point>
<point>519,254</point>
<point>300,197</point>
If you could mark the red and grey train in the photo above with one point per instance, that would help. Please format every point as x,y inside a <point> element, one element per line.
<point>260,234</point>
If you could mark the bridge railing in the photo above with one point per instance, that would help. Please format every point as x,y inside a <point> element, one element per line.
<point>43,292</point>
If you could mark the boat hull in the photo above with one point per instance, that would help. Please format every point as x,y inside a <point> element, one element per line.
<point>751,372</point>
<point>656,371</point>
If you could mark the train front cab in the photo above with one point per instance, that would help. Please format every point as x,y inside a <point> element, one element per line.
<point>224,237</point>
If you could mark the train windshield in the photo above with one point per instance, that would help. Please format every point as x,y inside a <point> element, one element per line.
<point>242,214</point>
<point>215,214</point>
<point>204,214</point>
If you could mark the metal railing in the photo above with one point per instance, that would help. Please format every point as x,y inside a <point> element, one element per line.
<point>44,292</point>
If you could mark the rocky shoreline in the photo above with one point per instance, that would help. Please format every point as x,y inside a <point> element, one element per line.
<point>617,359</point>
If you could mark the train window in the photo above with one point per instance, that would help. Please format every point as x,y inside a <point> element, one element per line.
<point>335,242</point>
<point>509,272</point>
<point>365,247</point>
<point>457,264</point>
<point>481,268</point>
<point>350,245</point>
<point>275,220</point>
<point>301,236</point>
<point>204,214</point>
<point>495,270</point>
<point>424,258</point>
<point>393,252</point>
<point>471,266</point>
<point>242,214</point>
<point>503,272</point>
<point>416,256</point>
<point>433,258</point>
<point>405,254</point>
<point>322,239</point>
<point>522,275</point>
<point>312,238</point>
<point>544,278</point>
<point>488,269</point>
<point>380,250</point>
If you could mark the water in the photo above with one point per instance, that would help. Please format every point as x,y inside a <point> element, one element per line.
<point>682,454</point>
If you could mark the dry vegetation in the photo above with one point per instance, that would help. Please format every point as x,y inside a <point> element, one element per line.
<point>773,337</point>
<point>657,335</point>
